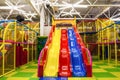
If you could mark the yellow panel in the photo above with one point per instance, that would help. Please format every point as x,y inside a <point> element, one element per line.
<point>51,67</point>
<point>35,75</point>
<point>116,74</point>
<point>106,67</point>
<point>16,78</point>
<point>81,78</point>
<point>108,79</point>
<point>9,75</point>
<point>99,70</point>
<point>29,70</point>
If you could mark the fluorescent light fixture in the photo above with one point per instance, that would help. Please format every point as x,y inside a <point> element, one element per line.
<point>80,6</point>
<point>5,7</point>
<point>65,3</point>
<point>71,14</point>
<point>74,13</point>
<point>20,10</point>
<point>76,5</point>
<point>115,19</point>
<point>65,14</point>
<point>64,7</point>
<point>9,3</point>
<point>79,2</point>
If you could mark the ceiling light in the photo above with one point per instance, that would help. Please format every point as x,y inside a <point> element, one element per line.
<point>80,6</point>
<point>64,7</point>
<point>79,2</point>
<point>115,19</point>
<point>65,2</point>
<point>76,5</point>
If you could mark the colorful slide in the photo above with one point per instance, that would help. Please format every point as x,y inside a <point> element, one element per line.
<point>51,67</point>
<point>64,54</point>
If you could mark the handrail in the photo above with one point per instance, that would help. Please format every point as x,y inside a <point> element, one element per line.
<point>89,54</point>
<point>40,56</point>
<point>110,26</point>
<point>2,21</point>
<point>6,29</point>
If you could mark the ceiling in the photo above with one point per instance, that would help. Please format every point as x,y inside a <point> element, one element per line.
<point>82,9</point>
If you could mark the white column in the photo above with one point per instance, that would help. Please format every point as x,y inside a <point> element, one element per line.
<point>48,19</point>
<point>42,20</point>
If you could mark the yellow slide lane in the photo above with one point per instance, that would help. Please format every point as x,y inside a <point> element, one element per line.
<point>51,67</point>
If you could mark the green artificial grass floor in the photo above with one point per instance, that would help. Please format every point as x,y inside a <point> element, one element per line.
<point>101,71</point>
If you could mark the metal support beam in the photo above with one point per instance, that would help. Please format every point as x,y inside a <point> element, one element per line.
<point>90,9</point>
<point>89,2</point>
<point>79,18</point>
<point>103,11</point>
<point>115,12</point>
<point>100,5</point>
<point>34,7</point>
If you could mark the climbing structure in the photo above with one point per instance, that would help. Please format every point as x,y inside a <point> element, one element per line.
<point>102,39</point>
<point>17,45</point>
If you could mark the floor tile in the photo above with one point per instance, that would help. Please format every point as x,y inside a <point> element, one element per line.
<point>112,69</point>
<point>99,70</point>
<point>116,74</point>
<point>34,79</point>
<point>104,75</point>
<point>16,78</point>
<point>23,74</point>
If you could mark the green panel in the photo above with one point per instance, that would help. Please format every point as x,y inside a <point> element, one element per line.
<point>112,70</point>
<point>34,79</point>
<point>101,64</point>
<point>3,78</point>
<point>23,74</point>
<point>95,67</point>
<point>32,67</point>
<point>103,75</point>
<point>41,43</point>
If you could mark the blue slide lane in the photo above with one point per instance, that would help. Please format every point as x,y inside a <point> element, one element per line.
<point>78,69</point>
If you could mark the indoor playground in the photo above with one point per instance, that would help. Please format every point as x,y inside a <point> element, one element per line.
<point>60,40</point>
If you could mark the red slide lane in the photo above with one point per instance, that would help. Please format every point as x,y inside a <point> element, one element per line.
<point>64,58</point>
